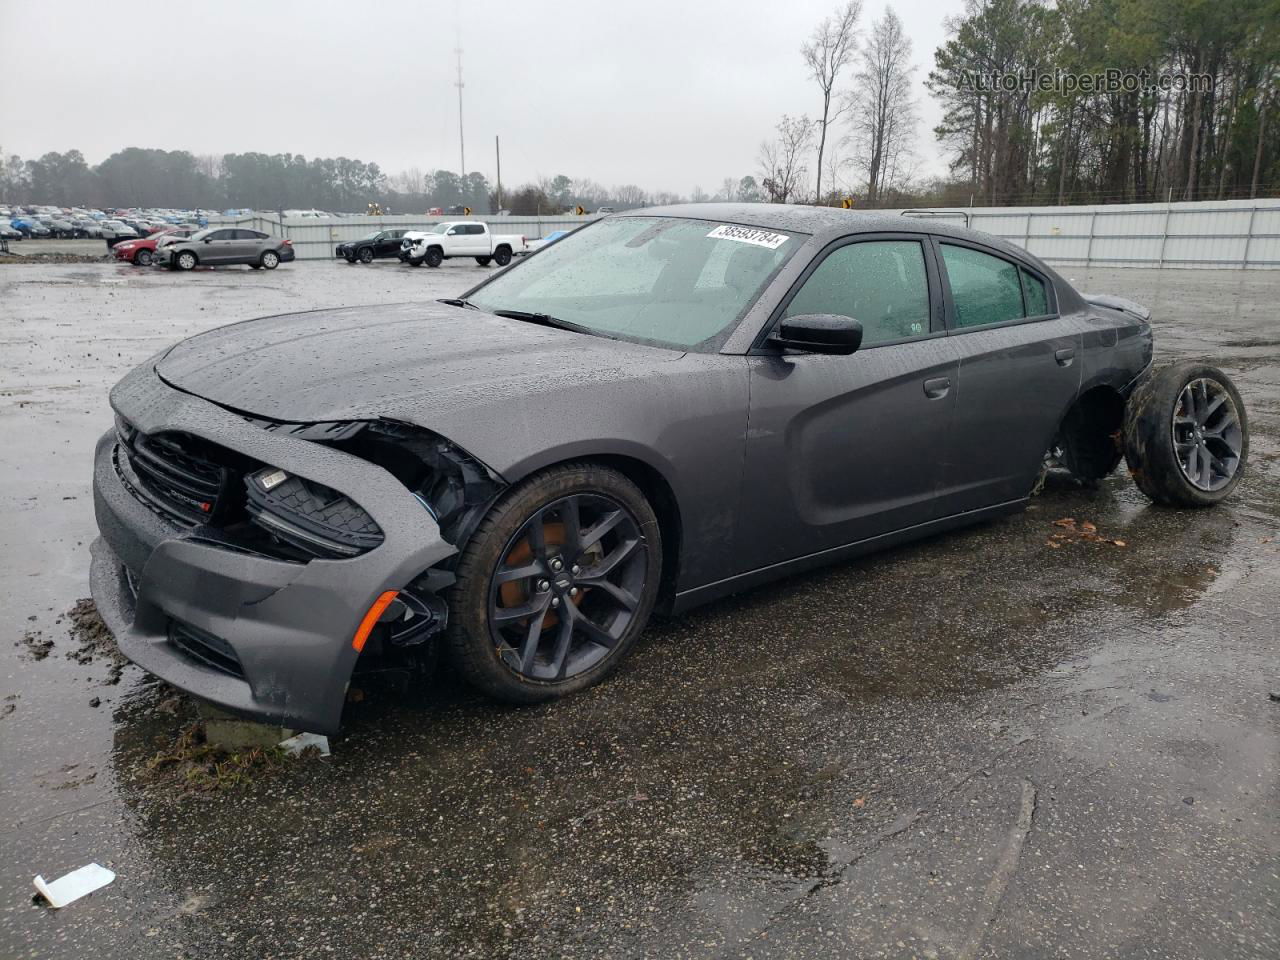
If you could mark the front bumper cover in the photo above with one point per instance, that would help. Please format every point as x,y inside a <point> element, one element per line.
<point>290,624</point>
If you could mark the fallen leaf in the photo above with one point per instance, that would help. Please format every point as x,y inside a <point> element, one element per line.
<point>1088,527</point>
<point>1119,543</point>
<point>860,802</point>
<point>1065,522</point>
<point>1053,543</point>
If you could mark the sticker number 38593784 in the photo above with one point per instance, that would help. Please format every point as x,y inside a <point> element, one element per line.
<point>759,238</point>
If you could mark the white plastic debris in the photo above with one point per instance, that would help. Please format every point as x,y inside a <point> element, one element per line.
<point>296,745</point>
<point>74,885</point>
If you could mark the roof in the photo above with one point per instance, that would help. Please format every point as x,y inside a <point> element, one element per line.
<point>824,223</point>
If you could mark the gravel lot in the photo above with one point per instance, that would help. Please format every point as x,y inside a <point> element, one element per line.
<point>977,746</point>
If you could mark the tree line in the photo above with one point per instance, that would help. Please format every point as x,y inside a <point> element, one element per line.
<point>1075,101</point>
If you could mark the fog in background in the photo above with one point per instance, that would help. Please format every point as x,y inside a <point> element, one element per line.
<point>664,94</point>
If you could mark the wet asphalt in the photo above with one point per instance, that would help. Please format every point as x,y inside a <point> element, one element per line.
<point>976,746</point>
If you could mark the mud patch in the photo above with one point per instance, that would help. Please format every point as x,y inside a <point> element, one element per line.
<point>37,645</point>
<point>94,641</point>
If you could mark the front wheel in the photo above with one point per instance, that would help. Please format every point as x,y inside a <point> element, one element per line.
<point>143,258</point>
<point>502,256</point>
<point>556,584</point>
<point>270,259</point>
<point>434,257</point>
<point>366,255</point>
<point>186,260</point>
<point>1186,435</point>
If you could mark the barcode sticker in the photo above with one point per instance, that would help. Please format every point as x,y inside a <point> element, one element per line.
<point>751,235</point>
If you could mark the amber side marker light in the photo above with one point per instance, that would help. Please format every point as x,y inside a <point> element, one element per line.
<point>371,618</point>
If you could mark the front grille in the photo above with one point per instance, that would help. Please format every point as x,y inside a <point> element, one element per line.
<point>204,647</point>
<point>176,475</point>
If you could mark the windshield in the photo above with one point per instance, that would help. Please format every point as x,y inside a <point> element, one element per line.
<point>201,234</point>
<point>673,282</point>
<point>440,228</point>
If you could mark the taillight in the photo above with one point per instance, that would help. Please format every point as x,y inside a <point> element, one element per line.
<point>288,243</point>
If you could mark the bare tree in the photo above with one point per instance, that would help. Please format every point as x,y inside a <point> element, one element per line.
<point>884,116</point>
<point>826,54</point>
<point>782,159</point>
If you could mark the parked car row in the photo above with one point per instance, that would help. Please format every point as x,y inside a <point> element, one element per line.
<point>113,225</point>
<point>457,238</point>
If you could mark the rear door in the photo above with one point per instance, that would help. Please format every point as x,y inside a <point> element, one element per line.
<point>1019,373</point>
<point>845,448</point>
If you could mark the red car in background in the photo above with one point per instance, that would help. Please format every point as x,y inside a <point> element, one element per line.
<point>142,252</point>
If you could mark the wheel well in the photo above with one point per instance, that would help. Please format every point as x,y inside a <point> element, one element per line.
<point>660,496</point>
<point>502,246</point>
<point>1089,430</point>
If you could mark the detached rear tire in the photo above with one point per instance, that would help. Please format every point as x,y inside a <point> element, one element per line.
<point>555,585</point>
<point>484,261</point>
<point>1186,435</point>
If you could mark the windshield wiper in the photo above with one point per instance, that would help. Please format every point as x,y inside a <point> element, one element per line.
<point>454,302</point>
<point>543,318</point>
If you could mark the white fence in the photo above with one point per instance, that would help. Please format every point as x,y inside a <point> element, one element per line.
<point>314,238</point>
<point>1239,234</point>
<point>1202,234</point>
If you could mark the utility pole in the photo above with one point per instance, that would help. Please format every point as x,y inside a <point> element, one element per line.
<point>497,150</point>
<point>462,149</point>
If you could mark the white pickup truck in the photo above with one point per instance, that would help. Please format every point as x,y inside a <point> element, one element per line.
<point>460,238</point>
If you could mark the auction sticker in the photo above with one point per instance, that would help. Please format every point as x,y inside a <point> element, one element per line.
<point>759,238</point>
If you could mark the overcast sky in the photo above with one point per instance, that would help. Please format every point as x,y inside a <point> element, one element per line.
<point>666,94</point>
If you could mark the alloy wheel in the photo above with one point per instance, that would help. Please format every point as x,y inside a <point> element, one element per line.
<point>1206,434</point>
<point>567,588</point>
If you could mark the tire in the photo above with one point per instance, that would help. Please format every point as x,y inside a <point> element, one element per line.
<point>366,255</point>
<point>1186,435</point>
<point>484,261</point>
<point>502,256</point>
<point>493,651</point>
<point>269,259</point>
<point>186,260</point>
<point>350,260</point>
<point>415,261</point>
<point>143,258</point>
<point>434,257</point>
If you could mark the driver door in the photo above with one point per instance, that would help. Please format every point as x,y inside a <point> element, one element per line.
<point>842,449</point>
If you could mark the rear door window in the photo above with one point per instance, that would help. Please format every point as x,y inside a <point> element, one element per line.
<point>984,289</point>
<point>1036,296</point>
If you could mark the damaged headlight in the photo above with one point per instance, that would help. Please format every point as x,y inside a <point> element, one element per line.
<point>309,516</point>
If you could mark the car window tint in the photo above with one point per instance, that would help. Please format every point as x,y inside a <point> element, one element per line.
<point>1037,298</point>
<point>880,283</point>
<point>984,288</point>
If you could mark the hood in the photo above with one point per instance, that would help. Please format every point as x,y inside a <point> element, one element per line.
<point>424,363</point>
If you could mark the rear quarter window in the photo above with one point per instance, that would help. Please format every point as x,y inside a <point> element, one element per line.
<point>984,289</point>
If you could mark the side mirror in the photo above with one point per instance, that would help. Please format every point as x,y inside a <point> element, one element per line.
<point>818,333</point>
<point>208,239</point>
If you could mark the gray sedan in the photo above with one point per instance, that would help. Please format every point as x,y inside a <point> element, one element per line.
<point>663,408</point>
<point>223,246</point>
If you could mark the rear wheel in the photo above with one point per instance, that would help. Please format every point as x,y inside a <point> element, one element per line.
<point>1186,435</point>
<point>186,260</point>
<point>556,584</point>
<point>434,257</point>
<point>502,256</point>
<point>484,261</point>
<point>270,259</point>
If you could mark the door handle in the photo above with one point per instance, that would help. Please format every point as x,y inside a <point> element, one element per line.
<point>1065,356</point>
<point>937,387</point>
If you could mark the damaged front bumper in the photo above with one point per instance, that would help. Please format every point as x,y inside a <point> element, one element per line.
<point>264,637</point>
